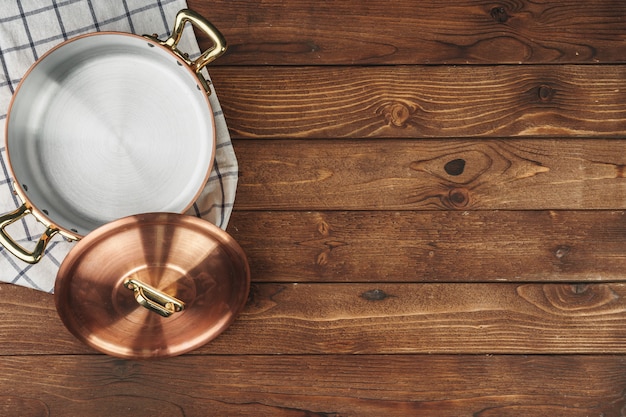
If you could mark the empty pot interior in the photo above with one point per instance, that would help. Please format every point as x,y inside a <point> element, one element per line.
<point>106,126</point>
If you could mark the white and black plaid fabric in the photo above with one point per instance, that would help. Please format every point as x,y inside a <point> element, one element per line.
<point>28,29</point>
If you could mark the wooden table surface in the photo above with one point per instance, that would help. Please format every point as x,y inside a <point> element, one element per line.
<point>432,197</point>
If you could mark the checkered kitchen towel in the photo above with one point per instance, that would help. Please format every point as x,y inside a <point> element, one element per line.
<point>28,28</point>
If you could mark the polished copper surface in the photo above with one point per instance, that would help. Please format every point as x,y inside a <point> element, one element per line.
<point>183,257</point>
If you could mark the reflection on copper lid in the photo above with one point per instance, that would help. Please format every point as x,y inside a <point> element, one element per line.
<point>178,256</point>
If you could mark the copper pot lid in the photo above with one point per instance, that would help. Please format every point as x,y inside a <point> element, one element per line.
<point>152,285</point>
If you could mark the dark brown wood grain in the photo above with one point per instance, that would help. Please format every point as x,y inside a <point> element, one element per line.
<point>423,101</point>
<point>304,385</point>
<point>378,318</point>
<point>467,246</point>
<point>432,197</point>
<point>355,32</point>
<point>447,174</point>
<point>430,318</point>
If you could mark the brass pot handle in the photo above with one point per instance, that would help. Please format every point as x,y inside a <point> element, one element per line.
<point>211,54</point>
<point>153,299</point>
<point>219,42</point>
<point>31,257</point>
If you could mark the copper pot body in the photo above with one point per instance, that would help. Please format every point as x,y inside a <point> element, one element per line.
<point>176,259</point>
<point>108,125</point>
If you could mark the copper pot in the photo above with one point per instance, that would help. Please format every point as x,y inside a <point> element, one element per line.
<point>152,285</point>
<point>108,125</point>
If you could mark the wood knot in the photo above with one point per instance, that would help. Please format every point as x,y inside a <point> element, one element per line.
<point>455,167</point>
<point>396,114</point>
<point>329,244</point>
<point>323,228</point>
<point>375,295</point>
<point>562,251</point>
<point>573,300</point>
<point>458,197</point>
<point>462,167</point>
<point>545,93</point>
<point>579,297</point>
<point>499,14</point>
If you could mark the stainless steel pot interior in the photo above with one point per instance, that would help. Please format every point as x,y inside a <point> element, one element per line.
<point>110,125</point>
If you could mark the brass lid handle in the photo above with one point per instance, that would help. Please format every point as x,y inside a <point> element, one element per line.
<point>153,299</point>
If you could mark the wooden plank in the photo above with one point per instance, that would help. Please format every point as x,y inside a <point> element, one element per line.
<point>387,174</point>
<point>433,246</point>
<point>31,325</point>
<point>383,318</point>
<point>349,32</point>
<point>401,385</point>
<point>423,101</point>
<point>378,318</point>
